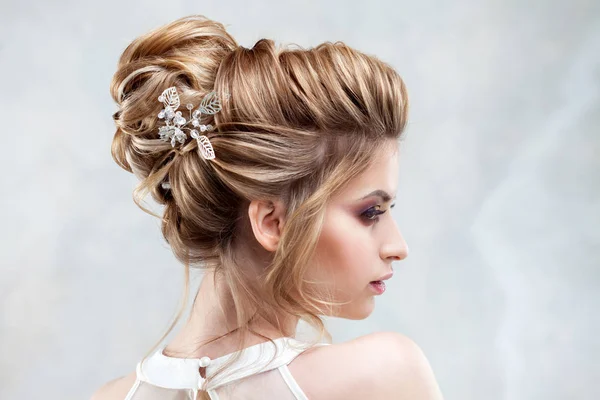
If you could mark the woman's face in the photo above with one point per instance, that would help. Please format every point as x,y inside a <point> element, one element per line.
<point>360,239</point>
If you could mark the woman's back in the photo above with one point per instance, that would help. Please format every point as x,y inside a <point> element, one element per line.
<point>382,365</point>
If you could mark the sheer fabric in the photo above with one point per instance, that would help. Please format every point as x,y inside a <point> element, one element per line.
<point>261,373</point>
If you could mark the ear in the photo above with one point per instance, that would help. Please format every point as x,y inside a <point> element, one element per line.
<point>267,219</point>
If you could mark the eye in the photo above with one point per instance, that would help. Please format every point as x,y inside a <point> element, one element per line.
<point>372,213</point>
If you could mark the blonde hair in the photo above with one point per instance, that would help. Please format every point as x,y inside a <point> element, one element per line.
<point>299,125</point>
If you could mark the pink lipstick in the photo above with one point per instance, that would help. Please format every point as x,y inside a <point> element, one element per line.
<point>378,286</point>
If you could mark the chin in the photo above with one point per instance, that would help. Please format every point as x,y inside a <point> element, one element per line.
<point>358,311</point>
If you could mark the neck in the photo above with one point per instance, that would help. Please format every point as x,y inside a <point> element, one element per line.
<point>213,317</point>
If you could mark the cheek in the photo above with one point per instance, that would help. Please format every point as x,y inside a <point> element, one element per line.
<point>343,252</point>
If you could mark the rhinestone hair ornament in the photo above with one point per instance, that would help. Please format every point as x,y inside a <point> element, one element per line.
<point>173,130</point>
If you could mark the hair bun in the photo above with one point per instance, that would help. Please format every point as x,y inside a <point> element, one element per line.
<point>188,50</point>
<point>185,53</point>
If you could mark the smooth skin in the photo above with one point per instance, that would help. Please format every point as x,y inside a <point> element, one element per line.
<point>358,243</point>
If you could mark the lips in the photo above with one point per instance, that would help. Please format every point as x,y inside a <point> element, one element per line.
<point>378,286</point>
<point>384,277</point>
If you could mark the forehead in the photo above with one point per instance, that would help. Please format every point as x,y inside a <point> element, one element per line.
<point>381,174</point>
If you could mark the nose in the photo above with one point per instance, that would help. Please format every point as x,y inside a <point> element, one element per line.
<point>395,247</point>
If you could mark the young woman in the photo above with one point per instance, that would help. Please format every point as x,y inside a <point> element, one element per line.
<point>276,169</point>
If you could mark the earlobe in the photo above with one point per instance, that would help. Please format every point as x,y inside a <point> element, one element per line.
<point>266,219</point>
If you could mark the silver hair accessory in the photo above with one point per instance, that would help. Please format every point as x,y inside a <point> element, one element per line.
<point>175,123</point>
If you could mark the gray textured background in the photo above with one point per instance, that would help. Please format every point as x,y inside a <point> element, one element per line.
<point>498,198</point>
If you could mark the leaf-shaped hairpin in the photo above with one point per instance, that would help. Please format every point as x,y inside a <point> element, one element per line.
<point>170,98</point>
<point>211,104</point>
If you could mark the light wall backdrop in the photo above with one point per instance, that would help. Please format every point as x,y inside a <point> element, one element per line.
<point>498,199</point>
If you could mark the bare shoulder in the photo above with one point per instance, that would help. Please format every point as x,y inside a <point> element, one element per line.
<point>382,365</point>
<point>116,389</point>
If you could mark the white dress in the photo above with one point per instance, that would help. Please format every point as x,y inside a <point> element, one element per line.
<point>261,373</point>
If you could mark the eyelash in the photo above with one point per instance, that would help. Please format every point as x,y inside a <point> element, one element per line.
<point>364,215</point>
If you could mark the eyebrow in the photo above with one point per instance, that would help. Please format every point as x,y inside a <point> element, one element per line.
<point>380,193</point>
